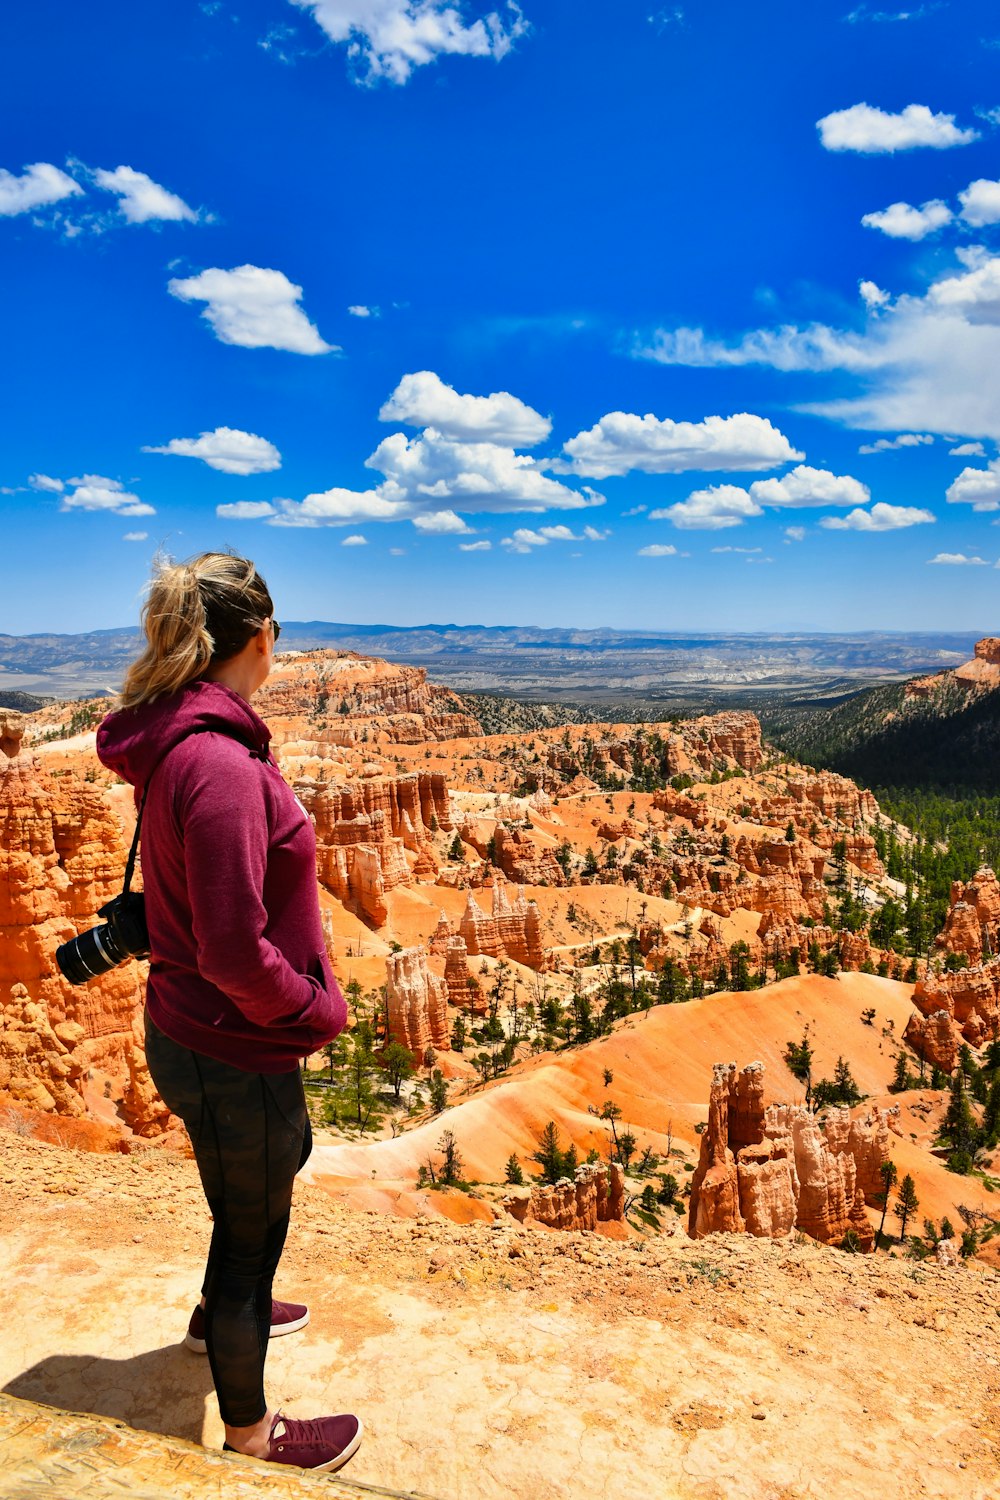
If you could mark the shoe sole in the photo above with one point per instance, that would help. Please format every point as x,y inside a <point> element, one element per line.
<point>278,1330</point>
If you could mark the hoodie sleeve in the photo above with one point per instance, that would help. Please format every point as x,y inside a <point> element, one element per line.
<point>224,818</point>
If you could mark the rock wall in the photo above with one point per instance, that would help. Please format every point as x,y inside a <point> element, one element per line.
<point>345,696</point>
<point>417,1003</point>
<point>766,1171</point>
<point>972,926</point>
<point>596,1196</point>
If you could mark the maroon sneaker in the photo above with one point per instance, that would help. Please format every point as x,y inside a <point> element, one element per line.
<point>323,1443</point>
<point>286,1317</point>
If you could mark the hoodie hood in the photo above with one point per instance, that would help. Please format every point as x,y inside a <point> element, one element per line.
<point>132,741</point>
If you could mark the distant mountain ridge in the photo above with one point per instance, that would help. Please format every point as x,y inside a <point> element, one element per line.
<point>938,731</point>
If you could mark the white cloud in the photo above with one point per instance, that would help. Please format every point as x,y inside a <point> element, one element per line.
<point>441,523</point>
<point>397,551</point>
<point>967,450</point>
<point>524,538</point>
<point>804,486</point>
<point>622,441</point>
<point>743,550</point>
<point>339,507</point>
<point>141,200</point>
<point>358,310</point>
<point>592,534</point>
<point>958,560</point>
<point>872,295</point>
<point>253,307</point>
<point>423,400</point>
<point>867,129</point>
<point>657,549</point>
<point>759,559</point>
<point>979,488</point>
<point>712,509</point>
<point>636,510</point>
<point>356,540</point>
<point>227,449</point>
<point>474,546</point>
<point>38,185</point>
<point>46,483</point>
<point>246,510</point>
<point>929,362</point>
<point>795,533</point>
<point>135,536</point>
<point>433,472</point>
<point>94,492</point>
<point>862,13</point>
<point>904,440</point>
<point>389,38</point>
<point>980,202</point>
<point>881,517</point>
<point>901,221</point>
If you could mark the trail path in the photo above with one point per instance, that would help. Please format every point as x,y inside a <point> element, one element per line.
<point>497,1362</point>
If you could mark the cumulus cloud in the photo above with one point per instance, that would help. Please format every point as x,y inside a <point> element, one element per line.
<point>904,440</point>
<point>524,538</point>
<point>968,450</point>
<point>424,400</point>
<point>622,441</point>
<point>795,533</point>
<point>227,449</point>
<point>928,362</point>
<point>474,546</point>
<point>340,507</point>
<point>388,39</point>
<point>46,483</point>
<point>980,203</point>
<point>867,129</point>
<point>712,509</point>
<point>135,536</point>
<point>141,200</point>
<point>94,492</point>
<point>246,510</point>
<point>37,187</point>
<point>901,221</point>
<point>433,472</point>
<point>958,560</point>
<point>743,550</point>
<point>441,523</point>
<point>358,310</point>
<point>804,486</point>
<point>881,517</point>
<point>356,540</point>
<point>979,488</point>
<point>872,295</point>
<point>657,549</point>
<point>253,307</point>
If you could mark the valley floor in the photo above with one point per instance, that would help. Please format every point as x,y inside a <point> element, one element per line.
<point>501,1362</point>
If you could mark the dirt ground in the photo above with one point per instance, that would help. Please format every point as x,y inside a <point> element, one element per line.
<point>493,1361</point>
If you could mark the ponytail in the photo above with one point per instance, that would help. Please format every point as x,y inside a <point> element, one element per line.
<point>196,614</point>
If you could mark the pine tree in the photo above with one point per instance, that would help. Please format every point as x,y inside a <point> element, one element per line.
<point>907,1203</point>
<point>959,1125</point>
<point>887,1172</point>
<point>451,1167</point>
<point>549,1155</point>
<point>512,1171</point>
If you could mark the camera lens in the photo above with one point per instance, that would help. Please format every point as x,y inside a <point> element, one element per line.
<point>90,954</point>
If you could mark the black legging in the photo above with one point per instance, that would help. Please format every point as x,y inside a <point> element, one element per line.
<point>251,1134</point>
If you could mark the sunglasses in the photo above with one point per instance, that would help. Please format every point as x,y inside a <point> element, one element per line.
<point>277,630</point>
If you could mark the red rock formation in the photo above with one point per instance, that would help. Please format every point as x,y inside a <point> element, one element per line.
<point>934,1036</point>
<point>596,1196</point>
<point>464,990</point>
<point>417,1003</point>
<point>766,1171</point>
<point>363,828</point>
<point>511,931</point>
<point>972,927</point>
<point>678,805</point>
<point>63,851</point>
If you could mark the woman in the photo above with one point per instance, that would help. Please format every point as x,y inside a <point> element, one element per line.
<point>240,987</point>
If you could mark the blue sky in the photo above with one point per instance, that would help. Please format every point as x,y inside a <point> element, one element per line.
<point>679,317</point>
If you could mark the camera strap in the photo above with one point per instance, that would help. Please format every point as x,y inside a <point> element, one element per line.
<point>255,754</point>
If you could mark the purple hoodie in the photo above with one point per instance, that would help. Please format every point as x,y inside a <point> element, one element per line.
<point>238,967</point>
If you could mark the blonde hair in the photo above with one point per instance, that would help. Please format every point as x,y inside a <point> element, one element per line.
<point>196,613</point>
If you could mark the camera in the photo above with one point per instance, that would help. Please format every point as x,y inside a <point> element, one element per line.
<point>122,935</point>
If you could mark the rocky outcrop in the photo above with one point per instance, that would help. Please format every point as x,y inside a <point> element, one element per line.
<point>363,830</point>
<point>984,669</point>
<point>63,848</point>
<point>972,927</point>
<point>512,930</point>
<point>464,990</point>
<point>595,1196</point>
<point>765,1171</point>
<point>417,1003</point>
<point>970,998</point>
